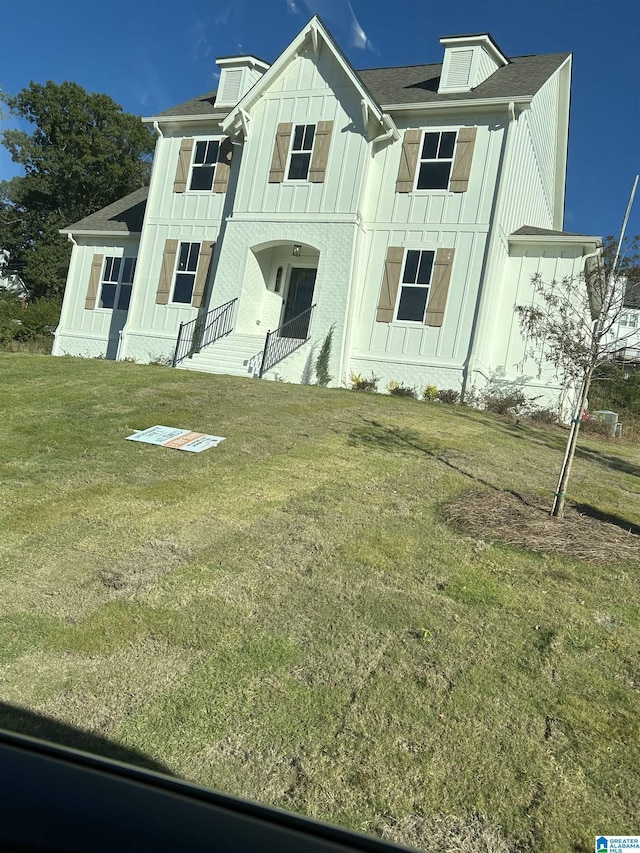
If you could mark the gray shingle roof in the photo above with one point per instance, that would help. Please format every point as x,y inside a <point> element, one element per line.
<point>418,84</point>
<point>124,215</point>
<point>200,106</point>
<point>533,231</point>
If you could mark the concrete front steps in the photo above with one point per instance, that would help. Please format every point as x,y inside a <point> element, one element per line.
<point>236,355</point>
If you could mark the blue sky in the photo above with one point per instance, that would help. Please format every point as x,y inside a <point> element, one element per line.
<point>151,54</point>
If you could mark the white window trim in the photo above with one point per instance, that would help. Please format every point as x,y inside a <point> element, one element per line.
<point>176,271</point>
<point>193,165</point>
<point>413,323</point>
<point>306,180</point>
<point>443,190</point>
<point>118,283</point>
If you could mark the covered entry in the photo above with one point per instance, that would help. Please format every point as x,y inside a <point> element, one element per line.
<point>278,286</point>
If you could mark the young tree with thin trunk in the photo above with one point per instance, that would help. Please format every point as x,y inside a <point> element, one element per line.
<point>573,324</point>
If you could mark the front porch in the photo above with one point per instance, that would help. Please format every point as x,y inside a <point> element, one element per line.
<point>277,295</point>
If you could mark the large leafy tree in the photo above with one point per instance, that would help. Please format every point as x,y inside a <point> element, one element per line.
<point>84,152</point>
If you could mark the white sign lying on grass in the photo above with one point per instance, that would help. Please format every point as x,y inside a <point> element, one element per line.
<point>179,439</point>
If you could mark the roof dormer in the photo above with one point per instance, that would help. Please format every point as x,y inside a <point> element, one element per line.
<point>468,61</point>
<point>237,75</point>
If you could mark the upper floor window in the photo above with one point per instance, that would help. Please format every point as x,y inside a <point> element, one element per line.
<point>185,276</point>
<point>205,157</point>
<point>300,155</point>
<point>414,290</point>
<point>203,165</point>
<point>436,160</point>
<point>301,152</point>
<point>116,283</point>
<point>629,320</point>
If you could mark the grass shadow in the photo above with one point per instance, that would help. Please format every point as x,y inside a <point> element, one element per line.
<point>607,518</point>
<point>25,722</point>
<point>555,438</point>
<point>396,440</point>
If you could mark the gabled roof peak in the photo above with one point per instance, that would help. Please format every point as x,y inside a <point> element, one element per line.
<point>314,32</point>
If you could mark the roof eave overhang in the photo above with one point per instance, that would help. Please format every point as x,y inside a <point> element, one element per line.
<point>80,232</point>
<point>183,119</point>
<point>588,242</point>
<point>523,102</point>
<point>313,31</point>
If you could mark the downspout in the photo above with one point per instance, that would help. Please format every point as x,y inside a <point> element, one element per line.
<point>391,132</point>
<point>347,337</point>
<point>482,297</point>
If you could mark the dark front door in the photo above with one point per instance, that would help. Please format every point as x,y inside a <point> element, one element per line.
<point>299,300</point>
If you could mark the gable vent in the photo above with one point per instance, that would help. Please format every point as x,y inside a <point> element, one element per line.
<point>459,70</point>
<point>230,86</point>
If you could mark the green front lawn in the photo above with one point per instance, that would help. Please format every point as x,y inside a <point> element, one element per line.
<point>288,617</point>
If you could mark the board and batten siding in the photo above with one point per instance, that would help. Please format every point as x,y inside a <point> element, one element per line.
<point>84,327</point>
<point>304,94</point>
<point>530,183</point>
<point>391,340</point>
<point>543,124</point>
<point>152,327</point>
<point>170,199</point>
<point>382,203</point>
<point>551,263</point>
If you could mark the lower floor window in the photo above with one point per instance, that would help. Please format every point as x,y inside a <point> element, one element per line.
<point>117,281</point>
<point>186,268</point>
<point>416,279</point>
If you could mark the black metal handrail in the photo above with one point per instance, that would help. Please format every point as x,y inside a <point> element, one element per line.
<point>204,330</point>
<point>285,340</point>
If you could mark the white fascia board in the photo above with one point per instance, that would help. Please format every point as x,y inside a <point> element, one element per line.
<point>587,241</point>
<point>245,59</point>
<point>314,29</point>
<point>215,117</point>
<point>466,104</point>
<point>114,234</point>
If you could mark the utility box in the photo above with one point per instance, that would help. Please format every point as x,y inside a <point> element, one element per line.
<point>611,420</point>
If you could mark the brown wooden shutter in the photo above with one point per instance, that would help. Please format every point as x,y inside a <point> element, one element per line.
<point>280,152</point>
<point>204,262</point>
<point>408,161</point>
<point>94,282</point>
<point>439,287</point>
<point>166,273</point>
<point>320,157</point>
<point>390,284</point>
<point>223,166</point>
<point>184,164</point>
<point>459,182</point>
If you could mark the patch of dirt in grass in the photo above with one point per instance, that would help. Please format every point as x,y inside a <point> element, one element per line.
<point>523,521</point>
<point>446,834</point>
<point>144,567</point>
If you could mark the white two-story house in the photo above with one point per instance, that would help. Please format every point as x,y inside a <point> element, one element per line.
<point>404,208</point>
